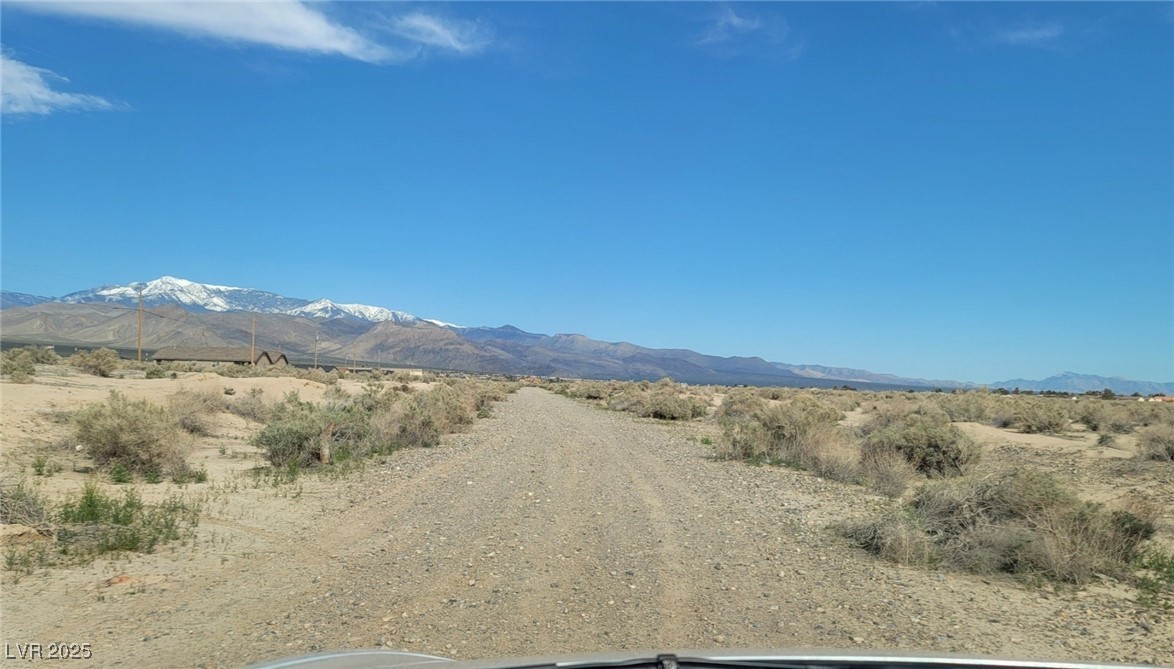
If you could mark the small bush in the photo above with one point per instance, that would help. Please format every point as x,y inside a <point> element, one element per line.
<point>19,365</point>
<point>899,536</point>
<point>99,362</point>
<point>189,409</point>
<point>97,523</point>
<point>299,433</point>
<point>1041,416</point>
<point>666,404</point>
<point>155,372</point>
<point>886,472</point>
<point>1156,442</point>
<point>20,504</point>
<point>138,436</point>
<point>251,407</point>
<point>926,440</point>
<point>740,404</point>
<point>1021,522</point>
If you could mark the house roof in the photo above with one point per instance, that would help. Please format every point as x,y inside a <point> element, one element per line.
<point>214,354</point>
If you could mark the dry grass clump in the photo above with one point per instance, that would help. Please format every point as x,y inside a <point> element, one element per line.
<point>899,536</point>
<point>190,410</point>
<point>21,504</point>
<point>136,436</point>
<point>1156,442</point>
<point>1020,522</point>
<point>250,406</point>
<point>886,471</point>
<point>924,437</point>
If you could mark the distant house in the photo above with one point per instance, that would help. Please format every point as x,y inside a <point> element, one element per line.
<point>219,356</point>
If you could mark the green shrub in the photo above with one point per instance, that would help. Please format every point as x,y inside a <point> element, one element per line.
<point>155,372</point>
<point>1156,442</point>
<point>299,433</point>
<point>138,436</point>
<point>926,440</point>
<point>96,523</point>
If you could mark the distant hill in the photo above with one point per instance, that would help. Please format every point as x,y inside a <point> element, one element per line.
<point>187,313</point>
<point>1071,382</point>
<point>865,376</point>
<point>10,299</point>
<point>418,343</point>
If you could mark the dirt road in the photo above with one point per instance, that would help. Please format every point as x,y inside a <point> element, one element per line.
<point>554,528</point>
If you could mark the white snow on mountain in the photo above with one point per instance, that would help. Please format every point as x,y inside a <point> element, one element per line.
<point>327,309</point>
<point>212,297</point>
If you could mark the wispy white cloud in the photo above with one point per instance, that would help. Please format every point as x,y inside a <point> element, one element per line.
<point>1029,35</point>
<point>426,31</point>
<point>25,89</point>
<point>728,25</point>
<point>283,24</point>
<point>730,33</point>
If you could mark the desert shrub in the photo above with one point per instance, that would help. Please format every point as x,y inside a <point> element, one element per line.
<point>972,407</point>
<point>99,362</point>
<point>417,425</point>
<point>301,433</point>
<point>138,436</point>
<point>1027,522</point>
<point>740,404</point>
<point>886,471</point>
<point>1156,442</point>
<point>251,406</point>
<point>743,440</point>
<point>189,409</point>
<point>800,433</point>
<point>899,536</point>
<point>666,404</point>
<point>926,440</point>
<point>631,398</point>
<point>155,372</point>
<point>97,523</point>
<point>19,365</point>
<point>593,390</point>
<point>1041,416</point>
<point>21,504</point>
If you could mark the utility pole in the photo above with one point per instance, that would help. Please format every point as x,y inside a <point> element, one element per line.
<point>140,353</point>
<point>315,350</point>
<point>253,346</point>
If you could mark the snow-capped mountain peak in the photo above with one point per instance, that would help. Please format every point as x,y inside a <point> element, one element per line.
<point>328,309</point>
<point>212,297</point>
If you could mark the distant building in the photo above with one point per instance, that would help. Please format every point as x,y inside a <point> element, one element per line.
<point>223,355</point>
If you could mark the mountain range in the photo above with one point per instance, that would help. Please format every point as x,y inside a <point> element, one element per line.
<point>187,313</point>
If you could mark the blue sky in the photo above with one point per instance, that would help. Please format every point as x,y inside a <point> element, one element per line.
<point>963,191</point>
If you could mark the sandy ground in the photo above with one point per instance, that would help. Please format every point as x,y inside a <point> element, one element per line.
<point>552,527</point>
